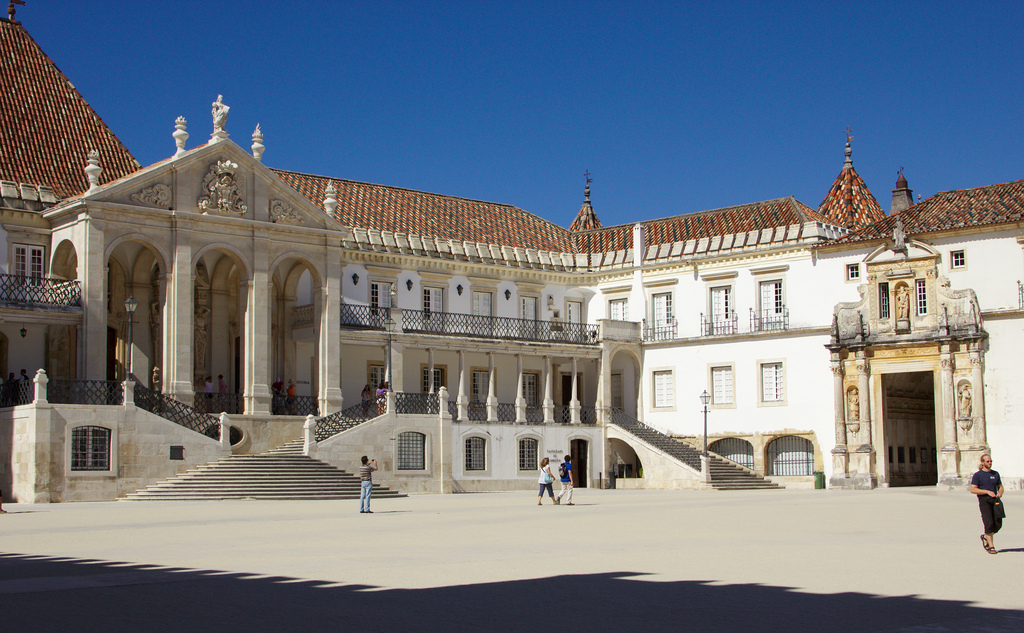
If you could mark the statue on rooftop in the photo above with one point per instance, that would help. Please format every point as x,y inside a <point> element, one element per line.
<point>220,114</point>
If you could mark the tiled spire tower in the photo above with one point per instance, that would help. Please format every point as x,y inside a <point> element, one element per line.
<point>849,202</point>
<point>586,219</point>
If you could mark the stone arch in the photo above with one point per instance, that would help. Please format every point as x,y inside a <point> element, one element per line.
<point>64,263</point>
<point>623,460</point>
<point>231,251</point>
<point>734,449</point>
<point>789,455</point>
<point>135,268</point>
<point>295,321</point>
<point>626,379</point>
<point>159,252</point>
<point>220,298</point>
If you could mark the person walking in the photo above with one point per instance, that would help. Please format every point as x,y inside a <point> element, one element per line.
<point>366,483</point>
<point>545,481</point>
<point>568,480</point>
<point>989,487</point>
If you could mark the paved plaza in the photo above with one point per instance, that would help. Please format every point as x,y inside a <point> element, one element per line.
<point>794,560</point>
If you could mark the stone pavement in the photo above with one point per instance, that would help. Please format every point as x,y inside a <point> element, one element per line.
<point>796,560</point>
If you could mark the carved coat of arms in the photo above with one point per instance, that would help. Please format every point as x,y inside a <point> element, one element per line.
<point>221,191</point>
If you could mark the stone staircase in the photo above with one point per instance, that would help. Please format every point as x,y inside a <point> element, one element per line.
<point>281,473</point>
<point>725,474</point>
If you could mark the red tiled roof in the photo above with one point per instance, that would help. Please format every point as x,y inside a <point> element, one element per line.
<point>48,128</point>
<point>385,208</point>
<point>950,210</point>
<point>738,219</point>
<point>849,202</point>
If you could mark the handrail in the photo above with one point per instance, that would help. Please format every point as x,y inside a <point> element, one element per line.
<point>96,392</point>
<point>17,392</point>
<point>684,453</point>
<point>769,320</point>
<point>40,291</point>
<point>661,331</point>
<point>416,403</point>
<point>460,324</point>
<point>176,411</point>
<point>330,425</point>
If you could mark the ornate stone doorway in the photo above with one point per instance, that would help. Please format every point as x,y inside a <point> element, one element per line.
<point>910,451</point>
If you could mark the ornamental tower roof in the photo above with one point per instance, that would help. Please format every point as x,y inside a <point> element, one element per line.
<point>849,202</point>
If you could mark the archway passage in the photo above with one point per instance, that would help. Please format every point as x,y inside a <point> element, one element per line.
<point>908,429</point>
<point>578,451</point>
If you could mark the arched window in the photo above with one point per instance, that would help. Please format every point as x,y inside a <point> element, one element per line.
<point>90,448</point>
<point>528,454</point>
<point>411,451</point>
<point>790,455</point>
<point>475,453</point>
<point>734,449</point>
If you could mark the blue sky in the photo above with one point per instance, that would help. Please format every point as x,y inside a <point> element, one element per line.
<point>672,107</point>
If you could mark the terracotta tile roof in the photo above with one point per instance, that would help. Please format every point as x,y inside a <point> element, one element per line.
<point>849,202</point>
<point>738,219</point>
<point>586,219</point>
<point>385,208</point>
<point>47,127</point>
<point>950,210</point>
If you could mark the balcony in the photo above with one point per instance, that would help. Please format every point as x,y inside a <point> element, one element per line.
<point>769,320</point>
<point>39,292</point>
<point>661,331</point>
<point>456,324</point>
<point>718,325</point>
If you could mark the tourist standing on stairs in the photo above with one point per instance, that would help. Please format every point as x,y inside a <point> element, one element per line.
<point>989,487</point>
<point>545,481</point>
<point>366,483</point>
<point>567,478</point>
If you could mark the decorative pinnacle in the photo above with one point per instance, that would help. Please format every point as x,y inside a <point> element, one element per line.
<point>330,198</point>
<point>257,143</point>
<point>586,189</point>
<point>93,170</point>
<point>10,9</point>
<point>180,136</point>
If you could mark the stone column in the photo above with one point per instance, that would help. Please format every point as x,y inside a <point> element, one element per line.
<point>520,400</point>
<point>492,395</point>
<point>462,400</point>
<point>549,401</point>
<point>397,366</point>
<point>864,387</point>
<point>329,338</point>
<point>444,438</point>
<point>574,404</point>
<point>93,276</point>
<point>949,434</point>
<point>430,370</point>
<point>840,454</point>
<point>257,344</point>
<point>980,430</point>
<point>178,320</point>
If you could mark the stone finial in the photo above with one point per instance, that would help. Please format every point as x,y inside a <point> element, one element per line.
<point>257,143</point>
<point>93,170</point>
<point>220,117</point>
<point>180,135</point>
<point>330,198</point>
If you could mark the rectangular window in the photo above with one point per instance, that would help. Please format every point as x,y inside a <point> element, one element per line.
<point>528,308</point>
<point>721,385</point>
<point>771,298</point>
<point>721,311</point>
<point>957,259</point>
<point>574,312</point>
<point>411,449</point>
<point>433,300</point>
<point>883,301</point>
<point>528,454</point>
<point>852,272</point>
<point>662,309</point>
<point>90,448</point>
<point>482,304</point>
<point>475,454</point>
<point>28,261</point>
<point>617,391</point>
<point>530,382</point>
<point>771,382</point>
<point>920,288</point>
<point>380,294</point>
<point>663,389</point>
<point>479,394</point>
<point>375,375</point>
<point>618,309</point>
<point>439,379</point>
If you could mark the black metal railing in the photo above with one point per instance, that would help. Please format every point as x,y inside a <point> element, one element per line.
<point>769,320</point>
<point>476,412</point>
<point>295,405</point>
<point>534,415</point>
<point>563,414</point>
<point>453,409</point>
<point>22,290</point>
<point>416,403</point>
<point>365,317</point>
<point>588,415</point>
<point>219,402</point>
<point>506,412</point>
<point>345,419</point>
<point>683,452</point>
<point>718,325</point>
<point>96,392</point>
<point>176,411</point>
<point>660,331</point>
<point>458,324</point>
<point>17,392</point>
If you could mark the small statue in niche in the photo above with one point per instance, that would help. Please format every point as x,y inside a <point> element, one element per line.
<point>853,403</point>
<point>903,303</point>
<point>965,399</point>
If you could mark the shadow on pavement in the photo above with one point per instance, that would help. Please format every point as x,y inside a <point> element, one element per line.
<point>46,594</point>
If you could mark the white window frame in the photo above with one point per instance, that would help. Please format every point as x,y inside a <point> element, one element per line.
<point>440,377</point>
<point>574,311</point>
<point>620,306</point>
<point>661,306</point>
<point>524,313</point>
<point>721,400</point>
<point>376,294</point>
<point>921,296</point>
<point>957,255</point>
<point>433,299</point>
<point>29,261</point>
<point>474,389</point>
<point>531,382</point>
<point>477,301</point>
<point>852,273</point>
<point>69,443</point>
<point>666,386</point>
<point>775,394</point>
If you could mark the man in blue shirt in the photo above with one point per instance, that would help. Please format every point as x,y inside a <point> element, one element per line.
<point>568,479</point>
<point>989,487</point>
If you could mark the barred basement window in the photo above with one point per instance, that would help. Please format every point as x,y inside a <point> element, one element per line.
<point>790,455</point>
<point>90,448</point>
<point>475,459</point>
<point>411,451</point>
<point>528,454</point>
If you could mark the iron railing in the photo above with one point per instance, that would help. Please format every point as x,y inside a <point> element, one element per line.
<point>295,405</point>
<point>95,392</point>
<point>588,415</point>
<point>563,414</point>
<point>219,402</point>
<point>506,412</point>
<point>660,331</point>
<point>769,320</point>
<point>458,324</point>
<point>416,403</point>
<point>714,325</point>
<point>49,292</point>
<point>365,317</point>
<point>331,425</point>
<point>176,411</point>
<point>684,453</point>
<point>17,392</point>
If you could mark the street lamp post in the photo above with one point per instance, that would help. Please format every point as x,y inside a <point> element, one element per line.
<point>705,398</point>
<point>130,305</point>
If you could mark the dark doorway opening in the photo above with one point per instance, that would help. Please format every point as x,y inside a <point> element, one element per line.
<point>112,354</point>
<point>578,451</point>
<point>908,429</point>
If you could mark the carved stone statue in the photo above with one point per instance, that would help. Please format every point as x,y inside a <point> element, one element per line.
<point>899,235</point>
<point>965,400</point>
<point>220,114</point>
<point>853,403</point>
<point>155,329</point>
<point>903,303</point>
<point>154,382</point>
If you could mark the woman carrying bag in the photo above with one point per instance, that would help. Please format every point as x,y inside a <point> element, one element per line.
<point>545,481</point>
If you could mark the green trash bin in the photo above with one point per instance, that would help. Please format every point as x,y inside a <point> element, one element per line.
<point>819,480</point>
